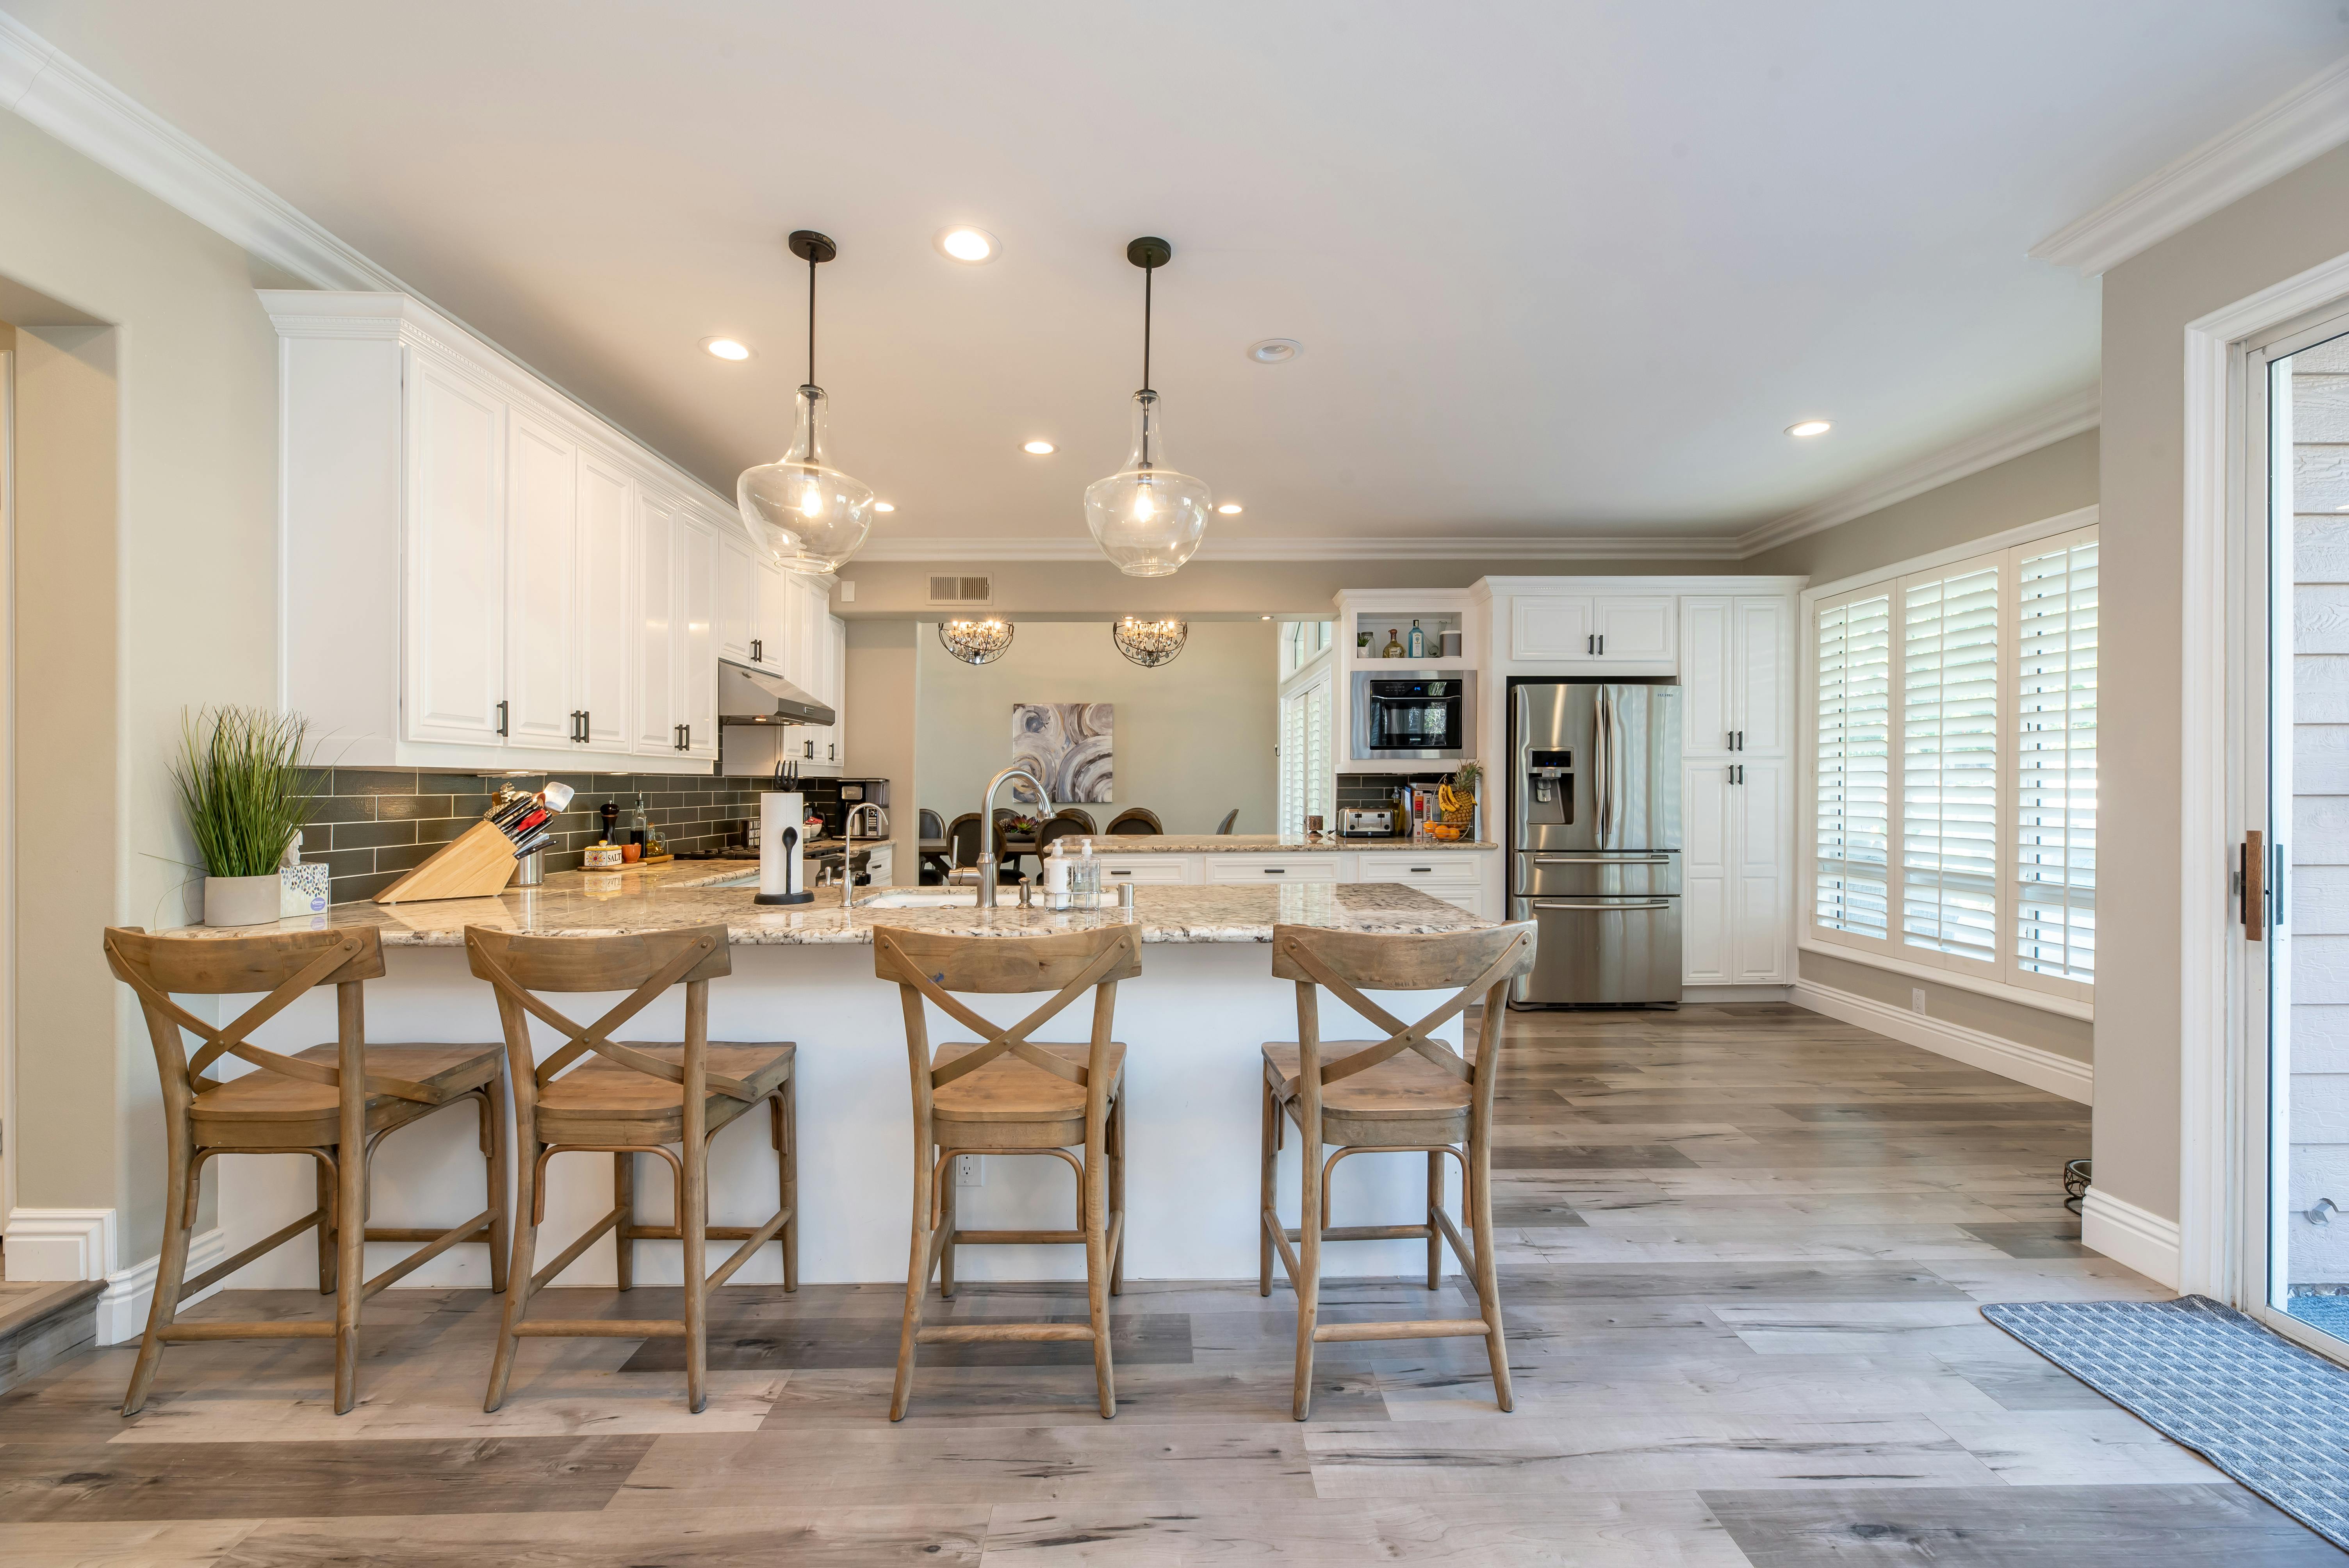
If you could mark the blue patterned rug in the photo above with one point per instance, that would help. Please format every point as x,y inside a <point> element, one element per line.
<point>2272,1415</point>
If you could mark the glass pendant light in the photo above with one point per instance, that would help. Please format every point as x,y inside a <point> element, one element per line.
<point>1148,518</point>
<point>805,514</point>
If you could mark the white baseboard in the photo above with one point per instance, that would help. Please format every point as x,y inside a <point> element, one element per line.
<point>1696,996</point>
<point>60,1243</point>
<point>2127,1234</point>
<point>2009,1058</point>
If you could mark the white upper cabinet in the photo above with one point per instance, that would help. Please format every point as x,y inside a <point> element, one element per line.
<point>655,690</point>
<point>607,610</point>
<point>456,560</point>
<point>1634,633</point>
<point>739,632</point>
<point>479,571</point>
<point>543,623</point>
<point>1735,659</point>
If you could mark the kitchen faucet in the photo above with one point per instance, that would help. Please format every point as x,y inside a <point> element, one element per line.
<point>987,826</point>
<point>848,860</point>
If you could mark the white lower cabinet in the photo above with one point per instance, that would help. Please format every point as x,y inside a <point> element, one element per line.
<point>1457,876</point>
<point>1453,877</point>
<point>1736,873</point>
<point>1260,869</point>
<point>1162,869</point>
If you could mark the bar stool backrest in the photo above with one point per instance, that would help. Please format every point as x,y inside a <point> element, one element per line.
<point>1480,964</point>
<point>286,964</point>
<point>643,964</point>
<point>931,967</point>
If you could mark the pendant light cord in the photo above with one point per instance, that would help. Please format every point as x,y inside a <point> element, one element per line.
<point>812,315</point>
<point>1146,275</point>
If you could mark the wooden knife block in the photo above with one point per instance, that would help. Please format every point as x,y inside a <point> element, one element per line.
<point>477,864</point>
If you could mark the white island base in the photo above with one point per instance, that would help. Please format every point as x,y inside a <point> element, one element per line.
<point>1192,1024</point>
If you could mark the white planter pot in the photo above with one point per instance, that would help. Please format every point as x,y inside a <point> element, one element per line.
<point>241,900</point>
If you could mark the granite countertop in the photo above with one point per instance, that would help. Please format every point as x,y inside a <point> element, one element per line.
<point>1263,844</point>
<point>684,893</point>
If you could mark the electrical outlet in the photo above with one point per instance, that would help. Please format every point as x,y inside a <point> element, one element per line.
<point>1917,1000</point>
<point>969,1171</point>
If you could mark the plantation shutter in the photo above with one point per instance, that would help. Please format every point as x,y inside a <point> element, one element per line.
<point>1949,847</point>
<point>1306,779</point>
<point>2055,740</point>
<point>1852,892</point>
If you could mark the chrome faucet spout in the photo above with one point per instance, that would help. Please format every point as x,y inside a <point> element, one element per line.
<point>987,845</point>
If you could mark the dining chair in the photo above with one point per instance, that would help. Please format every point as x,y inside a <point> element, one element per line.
<point>1409,1092</point>
<point>1135,820</point>
<point>1229,818</point>
<point>1078,815</point>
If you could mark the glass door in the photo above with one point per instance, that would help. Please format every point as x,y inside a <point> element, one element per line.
<point>2292,868</point>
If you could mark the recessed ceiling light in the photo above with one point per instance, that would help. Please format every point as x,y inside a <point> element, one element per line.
<point>1232,509</point>
<point>885,506</point>
<point>1275,350</point>
<point>725,348</point>
<point>1264,617</point>
<point>1809,427</point>
<point>966,244</point>
<point>1038,448</point>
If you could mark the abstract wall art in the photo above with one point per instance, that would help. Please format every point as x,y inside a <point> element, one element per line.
<point>1068,745</point>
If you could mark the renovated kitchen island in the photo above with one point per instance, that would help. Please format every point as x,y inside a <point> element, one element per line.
<point>1193,1022</point>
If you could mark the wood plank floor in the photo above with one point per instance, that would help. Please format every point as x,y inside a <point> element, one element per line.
<point>1742,1249</point>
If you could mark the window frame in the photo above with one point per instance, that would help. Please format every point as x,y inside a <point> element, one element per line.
<point>2004,977</point>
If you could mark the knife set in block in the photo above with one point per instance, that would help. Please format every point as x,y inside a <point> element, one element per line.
<point>480,862</point>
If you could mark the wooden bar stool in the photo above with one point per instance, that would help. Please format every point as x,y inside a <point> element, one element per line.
<point>1407,1092</point>
<point>636,1099</point>
<point>334,1103</point>
<point>1010,1095</point>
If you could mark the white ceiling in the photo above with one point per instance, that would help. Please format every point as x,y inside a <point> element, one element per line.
<point>1559,268</point>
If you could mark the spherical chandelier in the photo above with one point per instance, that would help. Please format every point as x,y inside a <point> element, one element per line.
<point>1148,518</point>
<point>975,642</point>
<point>1149,643</point>
<point>805,514</point>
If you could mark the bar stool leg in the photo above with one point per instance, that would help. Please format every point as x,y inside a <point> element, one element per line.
<point>917,1277</point>
<point>1434,1236</point>
<point>624,1198</point>
<point>494,1145</point>
<point>1117,1190</point>
<point>525,1251</point>
<point>1268,1199</point>
<point>693,1227</point>
<point>350,1245</point>
<point>947,1223</point>
<point>1488,1283</point>
<point>787,1154</point>
<point>1309,1267</point>
<point>171,1269</point>
<point>1095,1203</point>
<point>326,1174</point>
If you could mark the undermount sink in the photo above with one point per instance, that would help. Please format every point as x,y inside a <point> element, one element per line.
<point>926,898</point>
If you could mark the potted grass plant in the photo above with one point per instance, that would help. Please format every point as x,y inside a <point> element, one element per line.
<point>246,793</point>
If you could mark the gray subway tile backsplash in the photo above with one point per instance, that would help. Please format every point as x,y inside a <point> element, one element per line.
<point>370,824</point>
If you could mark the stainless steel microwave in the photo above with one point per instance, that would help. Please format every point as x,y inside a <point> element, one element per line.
<point>1414,715</point>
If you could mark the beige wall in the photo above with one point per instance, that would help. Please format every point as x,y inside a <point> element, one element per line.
<point>1194,738</point>
<point>2056,478</point>
<point>2284,229</point>
<point>2028,1026</point>
<point>881,729</point>
<point>162,600</point>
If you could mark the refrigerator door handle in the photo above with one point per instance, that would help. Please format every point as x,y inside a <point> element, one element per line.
<point>1602,903</point>
<point>1602,732</point>
<point>1601,858</point>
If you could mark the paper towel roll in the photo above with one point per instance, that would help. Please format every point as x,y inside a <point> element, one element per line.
<point>782,874</point>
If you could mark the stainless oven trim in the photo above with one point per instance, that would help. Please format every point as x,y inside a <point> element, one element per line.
<point>1358,702</point>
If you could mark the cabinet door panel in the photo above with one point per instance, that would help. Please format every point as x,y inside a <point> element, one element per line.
<point>1706,679</point>
<point>1762,911</point>
<point>543,632</point>
<point>607,629</point>
<point>1636,630</point>
<point>738,597</point>
<point>1706,879</point>
<point>1763,672</point>
<point>656,683</point>
<point>456,560</point>
<point>1549,627</point>
<point>697,642</point>
<point>836,632</point>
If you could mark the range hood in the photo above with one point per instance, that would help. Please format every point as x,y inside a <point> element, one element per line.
<point>749,693</point>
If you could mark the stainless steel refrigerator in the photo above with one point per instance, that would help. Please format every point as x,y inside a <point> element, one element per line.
<point>1595,842</point>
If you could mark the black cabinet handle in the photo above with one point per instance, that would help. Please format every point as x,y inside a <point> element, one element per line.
<point>758,651</point>
<point>1589,644</point>
<point>502,719</point>
<point>1602,644</point>
<point>1274,871</point>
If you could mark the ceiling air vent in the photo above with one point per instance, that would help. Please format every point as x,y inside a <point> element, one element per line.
<point>962,592</point>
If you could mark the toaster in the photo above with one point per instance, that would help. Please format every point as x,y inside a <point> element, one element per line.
<point>1376,823</point>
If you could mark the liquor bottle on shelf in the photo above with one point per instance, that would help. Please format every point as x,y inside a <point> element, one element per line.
<point>1394,650</point>
<point>1418,641</point>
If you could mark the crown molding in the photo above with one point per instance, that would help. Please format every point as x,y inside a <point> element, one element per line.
<point>2040,427</point>
<point>59,95</point>
<point>1079,547</point>
<point>2311,119</point>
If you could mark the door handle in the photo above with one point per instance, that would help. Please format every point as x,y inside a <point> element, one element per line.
<point>1555,904</point>
<point>1602,860</point>
<point>758,651</point>
<point>1589,644</point>
<point>502,719</point>
<point>2255,892</point>
<point>587,725</point>
<point>1602,644</point>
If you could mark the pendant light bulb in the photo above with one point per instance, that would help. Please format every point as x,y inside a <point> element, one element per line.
<point>803,513</point>
<point>1148,518</point>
